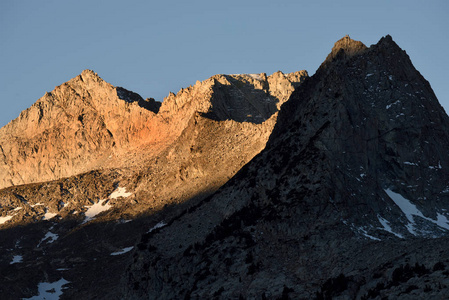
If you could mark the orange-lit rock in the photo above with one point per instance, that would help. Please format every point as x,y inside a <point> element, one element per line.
<point>87,124</point>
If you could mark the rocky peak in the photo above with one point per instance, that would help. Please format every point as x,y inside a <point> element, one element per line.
<point>373,117</point>
<point>281,85</point>
<point>240,97</point>
<point>72,129</point>
<point>387,41</point>
<point>358,163</point>
<point>90,75</point>
<point>345,48</point>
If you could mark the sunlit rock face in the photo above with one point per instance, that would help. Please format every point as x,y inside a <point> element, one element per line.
<point>87,124</point>
<point>79,126</point>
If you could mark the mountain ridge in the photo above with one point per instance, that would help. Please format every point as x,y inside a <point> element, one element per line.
<point>204,149</point>
<point>86,122</point>
<point>341,194</point>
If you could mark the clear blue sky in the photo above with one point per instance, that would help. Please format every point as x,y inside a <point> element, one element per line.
<point>154,47</point>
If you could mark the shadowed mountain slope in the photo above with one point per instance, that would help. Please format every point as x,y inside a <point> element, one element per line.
<point>341,202</point>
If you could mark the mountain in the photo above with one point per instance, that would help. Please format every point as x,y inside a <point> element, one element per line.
<point>87,124</point>
<point>243,186</point>
<point>348,200</point>
<point>89,167</point>
<point>75,128</point>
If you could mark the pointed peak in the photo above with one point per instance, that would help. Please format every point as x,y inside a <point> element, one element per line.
<point>387,38</point>
<point>89,75</point>
<point>89,72</point>
<point>346,47</point>
<point>348,44</point>
<point>387,41</point>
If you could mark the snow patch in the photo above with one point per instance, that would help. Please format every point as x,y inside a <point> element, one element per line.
<point>387,227</point>
<point>49,215</point>
<point>16,259</point>
<point>410,210</point>
<point>51,237</point>
<point>371,237</point>
<point>119,192</point>
<point>442,221</point>
<point>436,167</point>
<point>360,230</point>
<point>158,225</point>
<point>410,163</point>
<point>37,204</point>
<point>123,251</point>
<point>50,291</point>
<point>122,221</point>
<point>96,209</point>
<point>255,76</point>
<point>5,219</point>
<point>394,103</point>
<point>363,231</point>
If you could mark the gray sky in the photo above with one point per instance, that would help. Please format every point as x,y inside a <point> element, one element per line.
<point>154,47</point>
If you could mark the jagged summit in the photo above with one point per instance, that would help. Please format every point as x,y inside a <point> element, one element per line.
<point>89,74</point>
<point>239,97</point>
<point>388,41</point>
<point>345,47</point>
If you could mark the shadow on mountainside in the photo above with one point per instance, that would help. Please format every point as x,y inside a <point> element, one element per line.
<point>129,96</point>
<point>88,255</point>
<point>92,257</point>
<point>242,102</point>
